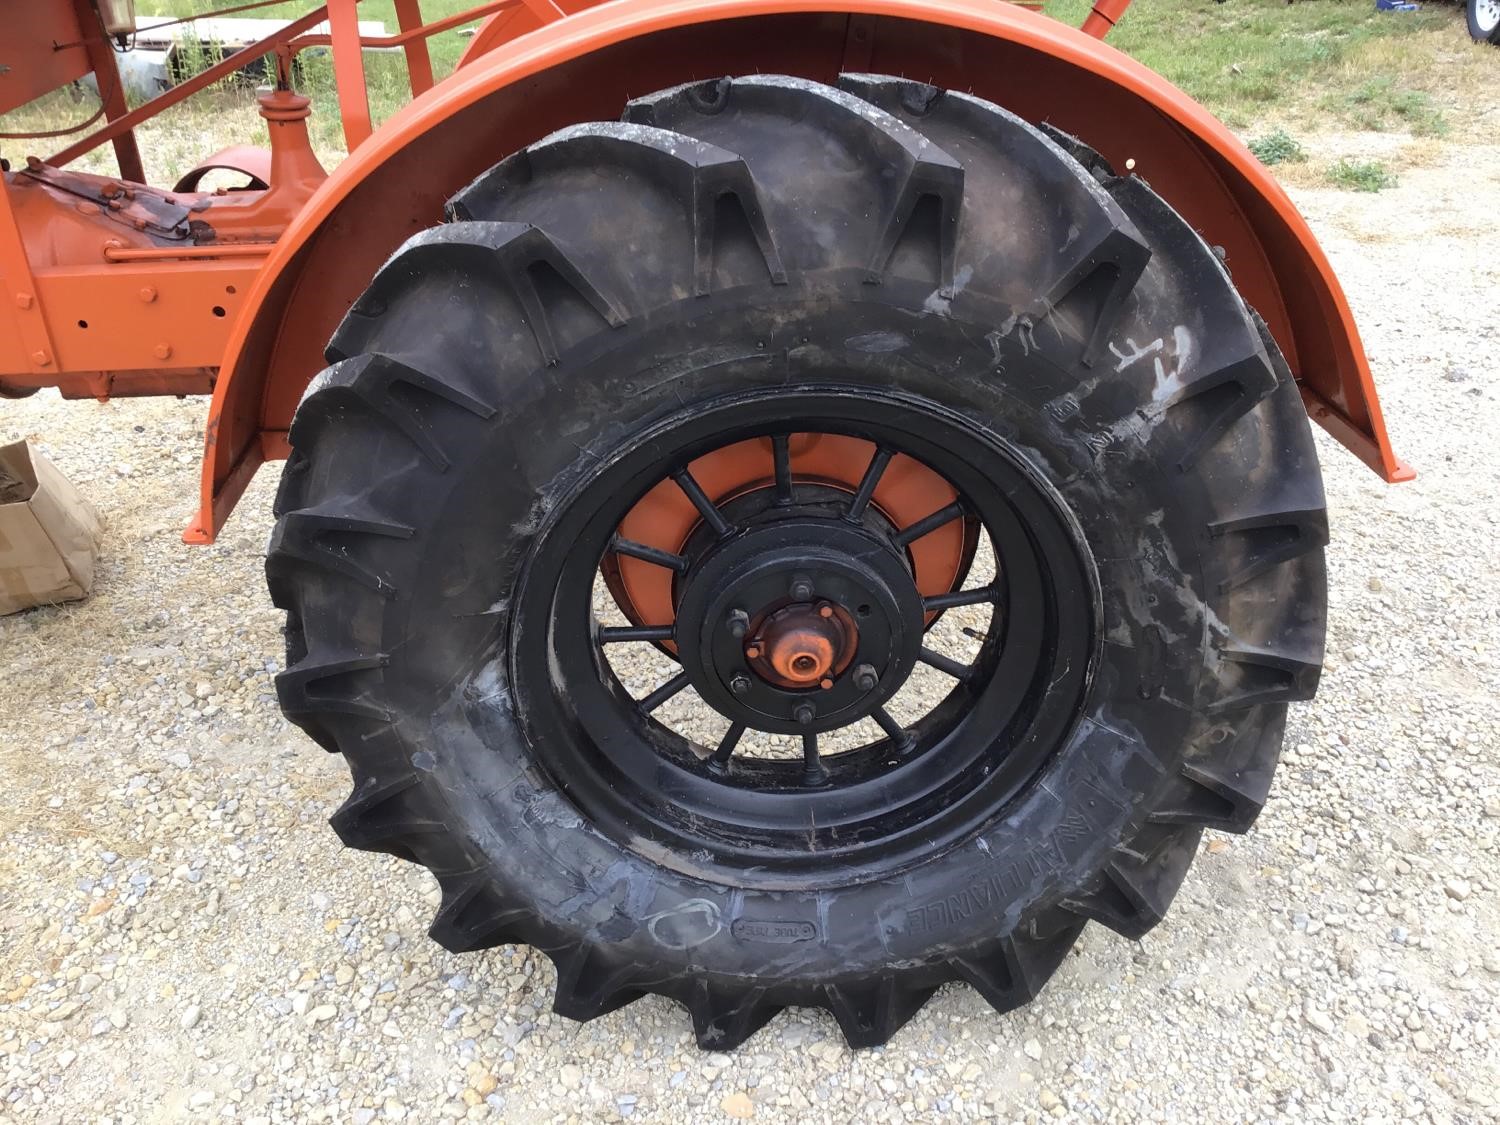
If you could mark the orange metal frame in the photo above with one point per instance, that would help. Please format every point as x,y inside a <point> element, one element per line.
<point>103,297</point>
<point>105,302</point>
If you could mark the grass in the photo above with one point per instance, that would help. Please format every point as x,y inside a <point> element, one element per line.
<point>1360,175</point>
<point>1265,67</point>
<point>1321,64</point>
<point>1379,104</point>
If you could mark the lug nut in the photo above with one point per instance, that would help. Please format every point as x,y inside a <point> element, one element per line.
<point>739,683</point>
<point>802,588</point>
<point>738,622</point>
<point>866,678</point>
<point>805,713</point>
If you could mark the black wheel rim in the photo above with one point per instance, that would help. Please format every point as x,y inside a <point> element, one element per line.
<point>943,776</point>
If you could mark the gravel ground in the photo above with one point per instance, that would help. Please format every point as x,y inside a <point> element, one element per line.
<point>181,934</point>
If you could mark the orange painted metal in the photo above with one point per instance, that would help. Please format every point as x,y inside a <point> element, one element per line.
<point>418,60</point>
<point>665,517</point>
<point>547,10</point>
<point>184,253</point>
<point>1102,19</point>
<point>140,316</point>
<point>27,349</point>
<point>249,160</point>
<point>511,25</point>
<point>349,71</point>
<point>106,288</point>
<point>498,29</point>
<point>118,299</point>
<point>61,43</point>
<point>78,320</point>
<point>294,172</point>
<point>84,314</point>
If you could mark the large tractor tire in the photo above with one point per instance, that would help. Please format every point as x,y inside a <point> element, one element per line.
<point>973,514</point>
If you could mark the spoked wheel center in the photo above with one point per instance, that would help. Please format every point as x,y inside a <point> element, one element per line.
<point>801,624</point>
<point>800,601</point>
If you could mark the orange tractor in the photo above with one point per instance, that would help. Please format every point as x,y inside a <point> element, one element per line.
<point>922,384</point>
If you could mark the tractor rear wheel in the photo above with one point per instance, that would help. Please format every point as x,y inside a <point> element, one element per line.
<point>973,521</point>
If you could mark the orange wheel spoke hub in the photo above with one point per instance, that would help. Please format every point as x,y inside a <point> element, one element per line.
<point>665,518</point>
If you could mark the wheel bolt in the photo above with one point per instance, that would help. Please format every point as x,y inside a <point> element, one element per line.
<point>739,683</point>
<point>866,678</point>
<point>802,588</point>
<point>738,622</point>
<point>805,713</point>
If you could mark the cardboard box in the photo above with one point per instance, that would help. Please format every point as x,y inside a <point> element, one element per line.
<point>49,534</point>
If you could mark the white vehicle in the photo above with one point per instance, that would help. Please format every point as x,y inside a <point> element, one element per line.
<point>1484,20</point>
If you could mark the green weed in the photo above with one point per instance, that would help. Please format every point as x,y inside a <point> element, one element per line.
<point>1278,147</point>
<point>1361,175</point>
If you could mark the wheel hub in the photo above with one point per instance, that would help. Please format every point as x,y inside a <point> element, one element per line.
<point>802,624</point>
<point>803,645</point>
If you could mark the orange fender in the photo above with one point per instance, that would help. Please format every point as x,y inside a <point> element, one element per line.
<point>515,90</point>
